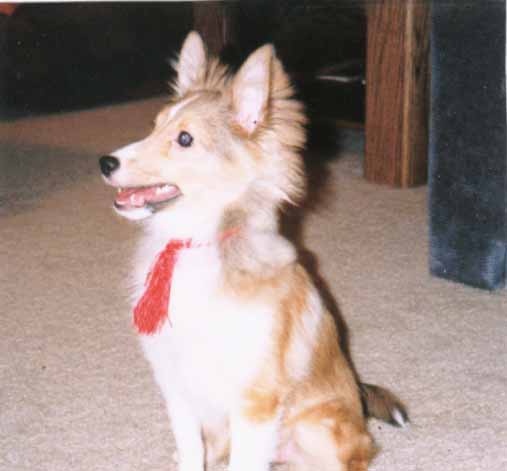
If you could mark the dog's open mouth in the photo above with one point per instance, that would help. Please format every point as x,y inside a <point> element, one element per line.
<point>141,196</point>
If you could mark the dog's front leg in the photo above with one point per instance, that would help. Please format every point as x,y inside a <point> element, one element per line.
<point>253,442</point>
<point>187,433</point>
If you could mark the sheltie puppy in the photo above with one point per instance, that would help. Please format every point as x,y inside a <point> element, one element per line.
<point>239,340</point>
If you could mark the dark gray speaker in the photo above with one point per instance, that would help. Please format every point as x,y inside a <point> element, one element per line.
<point>467,173</point>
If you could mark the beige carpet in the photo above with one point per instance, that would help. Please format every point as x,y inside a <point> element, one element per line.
<point>75,392</point>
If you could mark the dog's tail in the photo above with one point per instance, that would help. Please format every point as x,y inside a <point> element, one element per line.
<point>384,405</point>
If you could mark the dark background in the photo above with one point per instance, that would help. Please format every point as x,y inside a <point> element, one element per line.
<point>58,57</point>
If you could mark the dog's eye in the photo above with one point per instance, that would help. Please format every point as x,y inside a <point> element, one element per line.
<point>185,139</point>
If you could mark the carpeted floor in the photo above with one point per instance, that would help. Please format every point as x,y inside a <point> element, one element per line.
<point>75,392</point>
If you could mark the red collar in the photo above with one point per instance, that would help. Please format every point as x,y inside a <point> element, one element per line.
<point>152,309</point>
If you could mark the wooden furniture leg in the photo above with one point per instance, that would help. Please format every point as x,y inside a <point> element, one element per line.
<point>214,21</point>
<point>397,92</point>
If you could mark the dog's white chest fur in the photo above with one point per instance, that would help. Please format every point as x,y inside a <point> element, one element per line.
<point>213,344</point>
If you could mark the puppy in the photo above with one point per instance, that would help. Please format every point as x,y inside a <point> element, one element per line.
<point>241,345</point>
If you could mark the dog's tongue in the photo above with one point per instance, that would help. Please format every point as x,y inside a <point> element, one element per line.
<point>139,197</point>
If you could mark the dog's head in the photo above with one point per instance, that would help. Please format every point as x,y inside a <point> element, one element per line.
<point>222,140</point>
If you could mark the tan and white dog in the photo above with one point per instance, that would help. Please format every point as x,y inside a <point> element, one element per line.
<point>247,357</point>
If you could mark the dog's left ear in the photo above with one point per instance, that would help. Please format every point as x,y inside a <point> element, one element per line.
<point>192,63</point>
<point>250,89</point>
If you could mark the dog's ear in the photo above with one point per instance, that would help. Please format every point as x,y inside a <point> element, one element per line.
<point>192,63</point>
<point>250,89</point>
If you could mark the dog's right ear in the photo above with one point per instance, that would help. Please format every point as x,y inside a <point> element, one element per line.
<point>192,63</point>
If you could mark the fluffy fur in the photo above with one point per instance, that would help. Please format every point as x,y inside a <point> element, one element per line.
<point>250,366</point>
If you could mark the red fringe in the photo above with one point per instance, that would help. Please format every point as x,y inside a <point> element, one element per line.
<point>152,310</point>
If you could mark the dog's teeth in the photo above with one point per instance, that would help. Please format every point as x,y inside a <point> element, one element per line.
<point>163,189</point>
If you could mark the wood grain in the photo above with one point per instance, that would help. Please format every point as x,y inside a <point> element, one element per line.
<point>397,93</point>
<point>214,21</point>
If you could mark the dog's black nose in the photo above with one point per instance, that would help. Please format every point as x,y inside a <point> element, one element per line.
<point>108,164</point>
